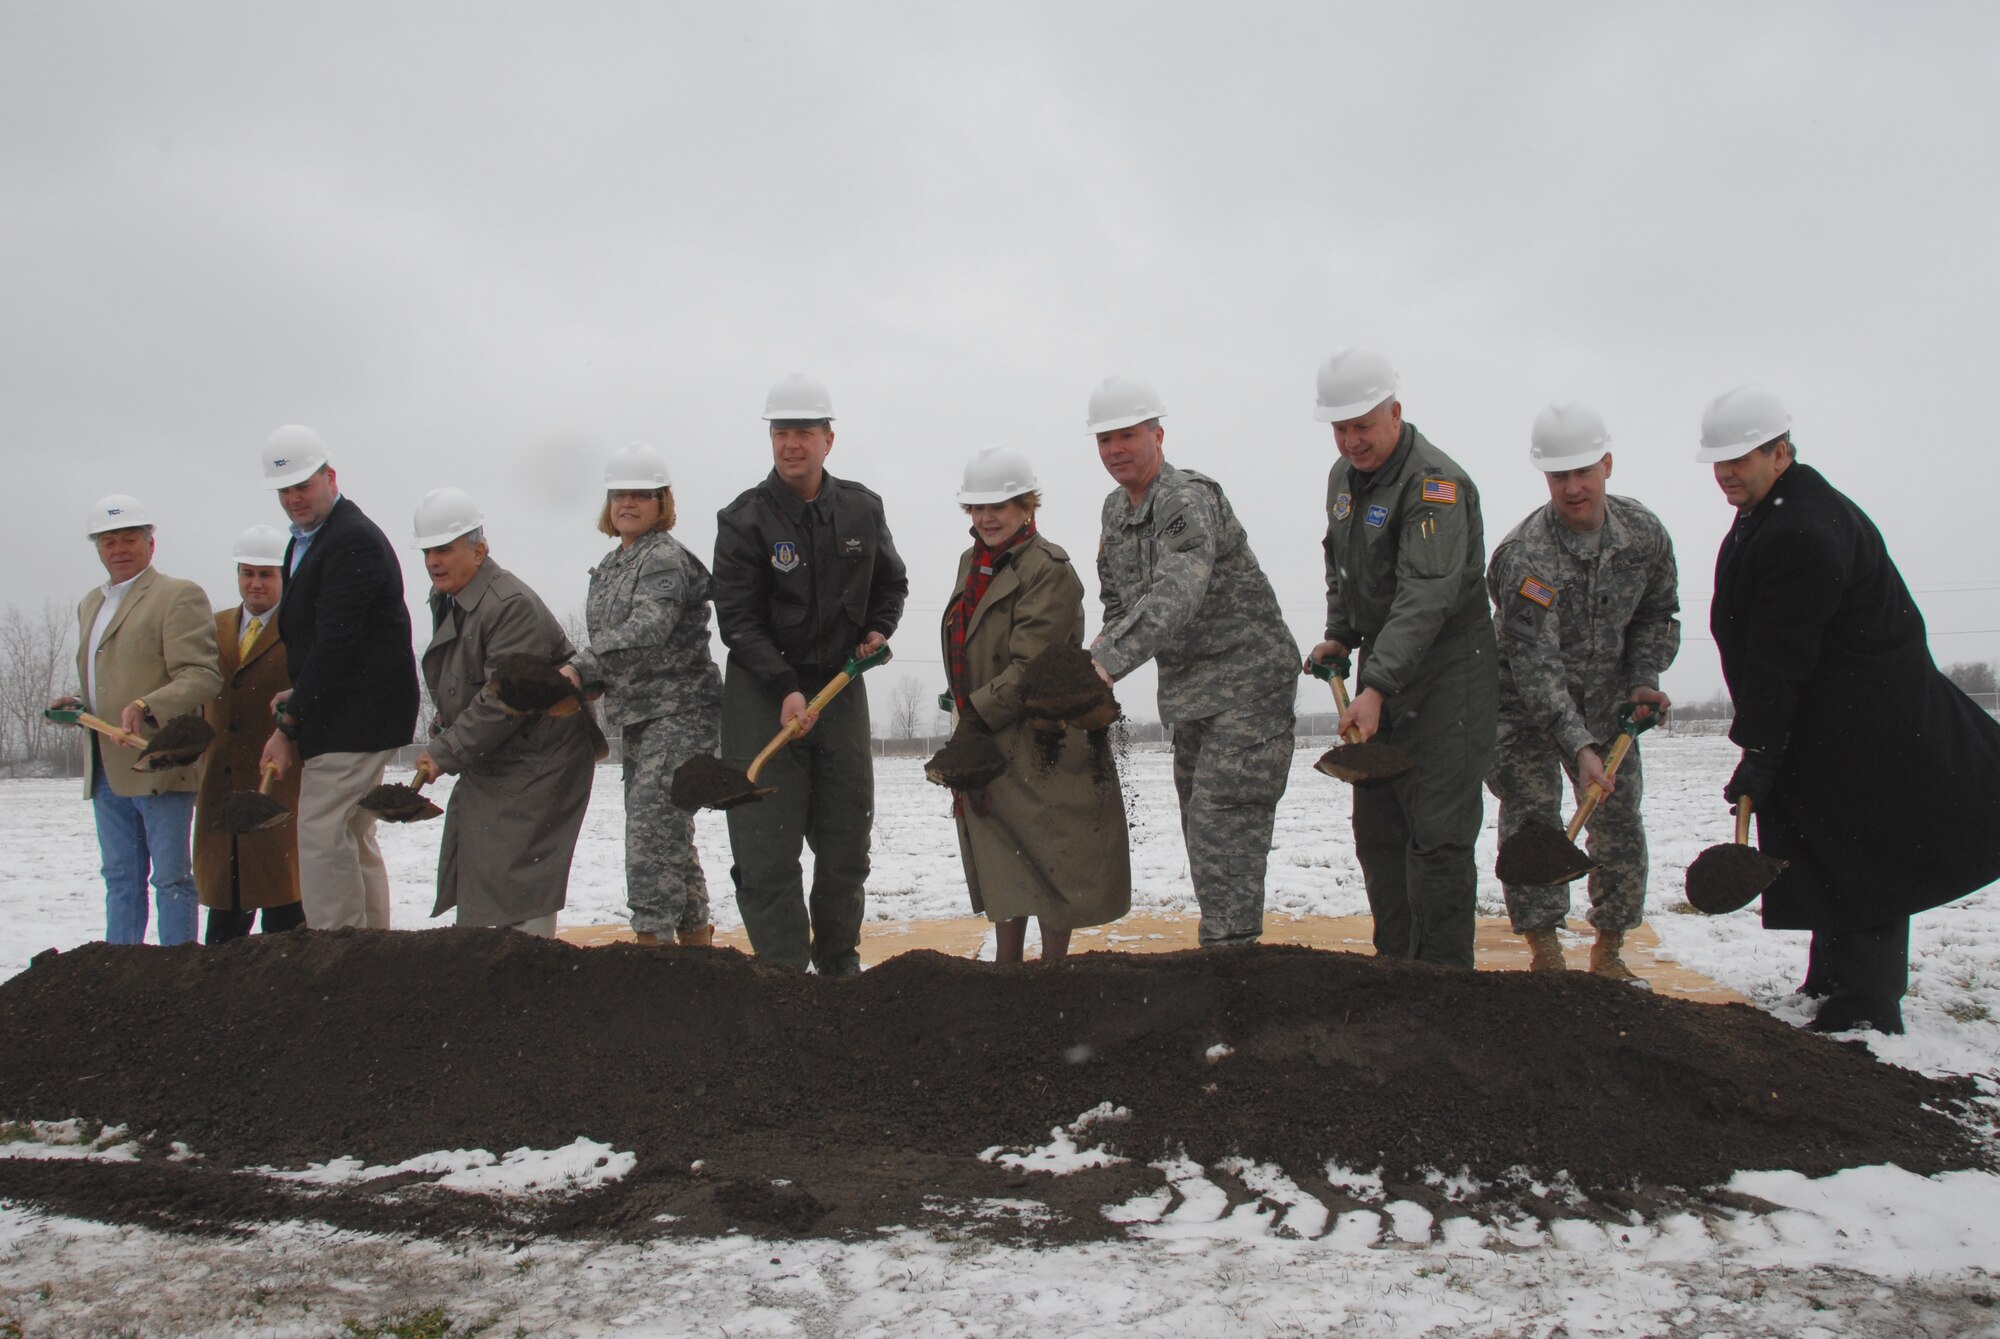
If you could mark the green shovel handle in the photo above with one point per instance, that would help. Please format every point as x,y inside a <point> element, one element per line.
<point>862,664</point>
<point>1328,670</point>
<point>1635,728</point>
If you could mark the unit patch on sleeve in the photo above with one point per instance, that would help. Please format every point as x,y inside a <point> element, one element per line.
<point>1176,527</point>
<point>1540,592</point>
<point>1343,504</point>
<point>1440,490</point>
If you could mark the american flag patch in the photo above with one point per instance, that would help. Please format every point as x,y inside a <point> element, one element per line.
<point>1532,589</point>
<point>1440,490</point>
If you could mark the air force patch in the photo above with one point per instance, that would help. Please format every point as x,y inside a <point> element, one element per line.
<point>1343,504</point>
<point>1378,516</point>
<point>785,556</point>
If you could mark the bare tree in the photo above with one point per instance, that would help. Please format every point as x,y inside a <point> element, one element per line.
<point>906,706</point>
<point>35,654</point>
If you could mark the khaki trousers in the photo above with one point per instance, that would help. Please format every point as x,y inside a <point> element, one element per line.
<point>342,880</point>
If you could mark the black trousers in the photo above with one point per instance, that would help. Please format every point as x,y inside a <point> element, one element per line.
<point>233,922</point>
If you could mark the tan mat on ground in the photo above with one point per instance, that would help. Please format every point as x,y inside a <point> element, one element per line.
<point>1498,948</point>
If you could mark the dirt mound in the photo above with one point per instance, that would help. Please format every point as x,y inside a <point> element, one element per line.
<point>761,1099</point>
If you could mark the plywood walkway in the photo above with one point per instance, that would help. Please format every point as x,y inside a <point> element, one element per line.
<point>1497,947</point>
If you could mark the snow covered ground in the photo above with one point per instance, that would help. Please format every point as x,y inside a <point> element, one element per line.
<point>1872,1251</point>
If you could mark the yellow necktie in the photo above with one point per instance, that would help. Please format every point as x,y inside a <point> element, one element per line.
<point>249,638</point>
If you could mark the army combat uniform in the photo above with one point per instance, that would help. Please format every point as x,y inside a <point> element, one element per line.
<point>1405,554</point>
<point>647,613</point>
<point>798,585</point>
<point>1181,587</point>
<point>1582,621</point>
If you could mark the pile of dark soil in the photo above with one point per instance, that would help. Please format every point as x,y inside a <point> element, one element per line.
<point>1538,853</point>
<point>969,760</point>
<point>775,1102</point>
<point>394,802</point>
<point>706,782</point>
<point>176,744</point>
<point>248,811</point>
<point>1061,684</point>
<point>525,684</point>
<point>1729,877</point>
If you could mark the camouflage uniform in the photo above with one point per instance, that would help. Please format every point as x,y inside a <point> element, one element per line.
<point>1405,551</point>
<point>1581,623</point>
<point>648,619</point>
<point>1181,587</point>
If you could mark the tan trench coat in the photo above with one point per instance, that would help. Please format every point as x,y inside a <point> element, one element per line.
<point>511,825</point>
<point>160,646</point>
<point>266,863</point>
<point>1053,842</point>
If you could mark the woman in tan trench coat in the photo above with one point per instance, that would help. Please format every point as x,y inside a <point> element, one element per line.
<point>237,876</point>
<point>1046,840</point>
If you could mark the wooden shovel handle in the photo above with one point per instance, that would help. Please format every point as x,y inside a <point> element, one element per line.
<point>791,732</point>
<point>1353,732</point>
<point>270,780</point>
<point>1743,821</point>
<point>110,731</point>
<point>1619,748</point>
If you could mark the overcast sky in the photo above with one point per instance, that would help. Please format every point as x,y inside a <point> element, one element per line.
<point>483,244</point>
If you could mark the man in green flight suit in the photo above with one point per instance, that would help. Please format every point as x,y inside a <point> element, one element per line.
<point>1405,588</point>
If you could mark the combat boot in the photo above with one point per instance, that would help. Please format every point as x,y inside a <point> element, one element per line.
<point>648,937</point>
<point>1606,959</point>
<point>1547,950</point>
<point>701,938</point>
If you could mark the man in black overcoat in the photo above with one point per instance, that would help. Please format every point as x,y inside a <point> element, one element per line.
<point>353,700</point>
<point>1867,769</point>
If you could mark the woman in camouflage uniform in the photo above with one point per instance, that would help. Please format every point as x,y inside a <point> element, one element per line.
<point>647,616</point>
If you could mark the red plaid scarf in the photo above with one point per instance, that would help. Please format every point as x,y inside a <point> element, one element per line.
<point>977,578</point>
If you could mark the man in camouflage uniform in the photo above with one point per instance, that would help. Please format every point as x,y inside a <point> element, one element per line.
<point>1584,593</point>
<point>1405,553</point>
<point>1181,587</point>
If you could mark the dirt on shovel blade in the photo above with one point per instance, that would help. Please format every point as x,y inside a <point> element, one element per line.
<point>1727,878</point>
<point>248,811</point>
<point>1539,853</point>
<point>706,782</point>
<point>1367,761</point>
<point>394,802</point>
<point>178,743</point>
<point>970,760</point>
<point>526,683</point>
<point>1061,684</point>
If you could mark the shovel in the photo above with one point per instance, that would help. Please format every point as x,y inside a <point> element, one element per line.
<point>180,742</point>
<point>1356,760</point>
<point>397,803</point>
<point>1729,877</point>
<point>246,811</point>
<point>705,782</point>
<point>1537,853</point>
<point>526,685</point>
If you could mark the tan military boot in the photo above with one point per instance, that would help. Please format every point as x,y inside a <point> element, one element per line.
<point>1547,950</point>
<point>648,937</point>
<point>702,938</point>
<point>1606,959</point>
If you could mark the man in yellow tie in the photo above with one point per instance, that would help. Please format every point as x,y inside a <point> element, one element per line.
<point>238,875</point>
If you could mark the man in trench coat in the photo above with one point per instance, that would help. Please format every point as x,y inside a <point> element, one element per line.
<point>511,824</point>
<point>242,874</point>
<point>1867,770</point>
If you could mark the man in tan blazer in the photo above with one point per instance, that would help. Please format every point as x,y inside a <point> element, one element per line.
<point>145,654</point>
<point>241,874</point>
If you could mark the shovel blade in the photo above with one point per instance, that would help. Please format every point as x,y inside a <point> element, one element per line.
<point>1358,763</point>
<point>1729,877</point>
<point>246,811</point>
<point>394,803</point>
<point>750,796</point>
<point>1539,853</point>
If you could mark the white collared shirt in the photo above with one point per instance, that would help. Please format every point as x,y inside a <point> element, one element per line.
<point>114,595</point>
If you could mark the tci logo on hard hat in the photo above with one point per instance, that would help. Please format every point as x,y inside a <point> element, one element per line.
<point>280,463</point>
<point>114,511</point>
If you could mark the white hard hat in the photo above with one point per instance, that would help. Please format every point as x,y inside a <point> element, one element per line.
<point>1352,382</point>
<point>1738,422</point>
<point>261,546</point>
<point>292,456</point>
<point>116,511</point>
<point>799,397</point>
<point>1119,402</point>
<point>444,515</point>
<point>636,466</point>
<point>997,474</point>
<point>1568,437</point>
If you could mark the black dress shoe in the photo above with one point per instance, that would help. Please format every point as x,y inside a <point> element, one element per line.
<point>1846,1011</point>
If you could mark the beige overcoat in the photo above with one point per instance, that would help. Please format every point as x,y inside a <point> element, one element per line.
<point>511,825</point>
<point>267,863</point>
<point>159,646</point>
<point>1052,843</point>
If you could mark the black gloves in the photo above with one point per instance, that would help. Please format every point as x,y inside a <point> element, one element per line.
<point>1756,776</point>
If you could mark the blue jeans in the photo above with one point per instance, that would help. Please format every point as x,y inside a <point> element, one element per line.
<point>140,834</point>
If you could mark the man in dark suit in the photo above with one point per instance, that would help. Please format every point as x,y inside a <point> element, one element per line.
<point>1867,769</point>
<point>353,700</point>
